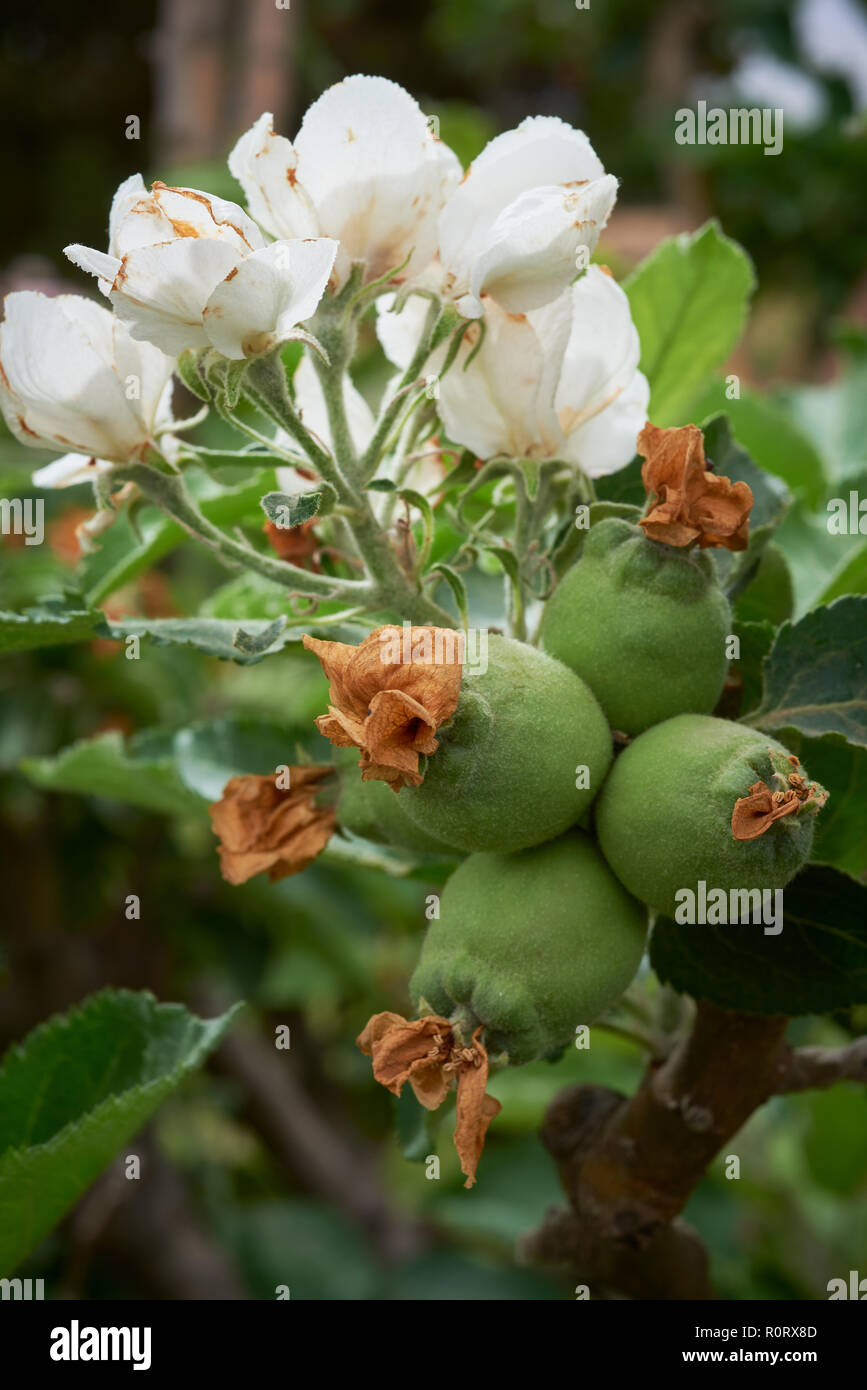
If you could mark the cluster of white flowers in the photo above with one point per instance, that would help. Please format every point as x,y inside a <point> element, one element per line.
<point>366,183</point>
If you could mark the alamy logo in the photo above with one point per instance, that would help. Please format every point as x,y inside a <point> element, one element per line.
<point>23,518</point>
<point>714,907</point>
<point>26,1289</point>
<point>741,125</point>
<point>76,1343</point>
<point>856,1288</point>
<point>441,646</point>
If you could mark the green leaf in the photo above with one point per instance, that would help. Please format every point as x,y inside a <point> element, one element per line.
<point>221,637</point>
<point>849,578</point>
<point>816,674</point>
<point>287,509</point>
<point>835,1144</point>
<point>346,848</point>
<point>756,640</point>
<point>458,588</point>
<point>106,767</point>
<point>624,486</point>
<point>689,303</point>
<point>46,626</point>
<point>818,962</point>
<point>770,502</point>
<point>74,1094</point>
<point>841,769</point>
<point>770,595</point>
<point>380,485</point>
<point>122,556</point>
<point>207,754</point>
<point>415,1132</point>
<point>770,437</point>
<point>188,370</point>
<point>463,472</point>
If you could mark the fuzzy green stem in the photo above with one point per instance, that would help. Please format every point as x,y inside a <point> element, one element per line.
<point>169,493</point>
<point>375,449</point>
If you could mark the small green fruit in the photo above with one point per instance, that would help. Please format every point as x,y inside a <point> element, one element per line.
<point>664,816</point>
<point>504,776</point>
<point>531,944</point>
<point>371,809</point>
<point>643,624</point>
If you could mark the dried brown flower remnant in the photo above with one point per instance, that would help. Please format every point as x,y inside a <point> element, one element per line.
<point>426,1053</point>
<point>262,827</point>
<point>690,503</point>
<point>756,813</point>
<point>297,544</point>
<point>389,695</point>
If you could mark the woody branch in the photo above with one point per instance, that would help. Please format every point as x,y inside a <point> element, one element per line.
<point>629,1166</point>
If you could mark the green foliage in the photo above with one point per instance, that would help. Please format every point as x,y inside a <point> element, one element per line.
<point>47,626</point>
<point>689,302</point>
<point>77,1090</point>
<point>104,767</point>
<point>816,674</point>
<point>816,964</point>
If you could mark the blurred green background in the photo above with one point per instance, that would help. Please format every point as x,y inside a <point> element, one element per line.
<point>231,1204</point>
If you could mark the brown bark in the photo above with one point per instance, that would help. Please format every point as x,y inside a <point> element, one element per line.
<point>629,1166</point>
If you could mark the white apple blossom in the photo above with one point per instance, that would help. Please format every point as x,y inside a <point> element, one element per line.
<point>365,168</point>
<point>71,375</point>
<point>188,270</point>
<point>514,227</point>
<point>561,382</point>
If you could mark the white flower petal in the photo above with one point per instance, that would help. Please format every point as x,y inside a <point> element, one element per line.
<point>503,402</point>
<point>400,334</point>
<point>375,173</point>
<point>531,253</point>
<point>542,151</point>
<point>69,470</point>
<point>136,218</point>
<point>608,440</point>
<point>69,375</point>
<point>267,295</point>
<point>160,291</point>
<point>603,352</point>
<point>193,214</point>
<point>95,263</point>
<point>266,167</point>
<point>601,399</point>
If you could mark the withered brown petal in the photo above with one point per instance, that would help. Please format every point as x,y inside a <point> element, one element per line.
<point>756,813</point>
<point>671,457</point>
<point>475,1110</point>
<point>262,827</point>
<point>391,708</point>
<point>399,1047</point>
<point>690,503</point>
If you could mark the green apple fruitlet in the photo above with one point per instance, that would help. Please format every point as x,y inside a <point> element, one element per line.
<point>531,945</point>
<point>643,624</point>
<point>664,816</point>
<point>525,754</point>
<point>371,809</point>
